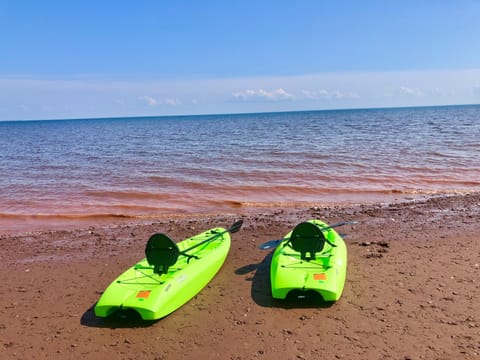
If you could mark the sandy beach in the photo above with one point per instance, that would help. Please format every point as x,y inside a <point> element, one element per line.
<point>411,292</point>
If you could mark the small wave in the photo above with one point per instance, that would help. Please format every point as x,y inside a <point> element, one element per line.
<point>116,194</point>
<point>178,182</point>
<point>47,217</point>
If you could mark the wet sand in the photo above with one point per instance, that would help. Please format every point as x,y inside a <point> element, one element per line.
<point>412,290</point>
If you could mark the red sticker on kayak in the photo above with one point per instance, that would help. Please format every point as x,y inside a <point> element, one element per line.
<point>319,276</point>
<point>143,294</point>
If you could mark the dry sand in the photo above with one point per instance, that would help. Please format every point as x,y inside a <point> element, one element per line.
<point>412,290</point>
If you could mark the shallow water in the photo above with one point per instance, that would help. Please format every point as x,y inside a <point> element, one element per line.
<point>107,169</point>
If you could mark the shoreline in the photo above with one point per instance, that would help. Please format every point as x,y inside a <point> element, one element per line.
<point>70,222</point>
<point>411,291</point>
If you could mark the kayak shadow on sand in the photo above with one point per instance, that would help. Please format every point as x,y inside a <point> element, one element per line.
<point>120,319</point>
<point>261,291</point>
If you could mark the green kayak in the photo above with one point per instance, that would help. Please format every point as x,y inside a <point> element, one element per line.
<point>312,257</point>
<point>170,275</point>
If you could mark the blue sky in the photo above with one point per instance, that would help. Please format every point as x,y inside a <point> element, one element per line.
<point>77,59</point>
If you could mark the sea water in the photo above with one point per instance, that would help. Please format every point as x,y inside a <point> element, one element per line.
<point>147,167</point>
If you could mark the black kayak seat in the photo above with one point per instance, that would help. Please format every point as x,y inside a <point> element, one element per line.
<point>161,253</point>
<point>307,239</point>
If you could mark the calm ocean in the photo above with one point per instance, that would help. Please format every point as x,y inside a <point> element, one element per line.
<point>61,171</point>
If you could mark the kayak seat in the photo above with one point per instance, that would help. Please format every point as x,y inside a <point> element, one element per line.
<point>308,240</point>
<point>161,253</point>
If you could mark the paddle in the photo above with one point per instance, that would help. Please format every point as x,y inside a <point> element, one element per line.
<point>273,243</point>
<point>162,252</point>
<point>233,229</point>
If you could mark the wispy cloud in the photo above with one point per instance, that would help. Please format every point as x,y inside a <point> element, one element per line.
<point>150,101</point>
<point>404,90</point>
<point>281,94</point>
<point>172,102</point>
<point>329,94</point>
<point>274,95</point>
<point>30,98</point>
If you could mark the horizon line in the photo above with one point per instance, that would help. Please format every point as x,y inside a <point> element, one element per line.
<point>243,113</point>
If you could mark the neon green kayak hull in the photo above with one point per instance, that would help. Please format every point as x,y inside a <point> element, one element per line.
<point>154,296</point>
<point>325,275</point>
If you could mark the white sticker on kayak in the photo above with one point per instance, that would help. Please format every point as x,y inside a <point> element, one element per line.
<point>181,279</point>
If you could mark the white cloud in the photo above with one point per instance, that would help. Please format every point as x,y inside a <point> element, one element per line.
<point>148,100</point>
<point>411,91</point>
<point>172,102</point>
<point>275,95</point>
<point>327,94</point>
<point>281,94</point>
<point>25,98</point>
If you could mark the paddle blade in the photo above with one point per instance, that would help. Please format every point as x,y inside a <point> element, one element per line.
<point>236,226</point>
<point>269,244</point>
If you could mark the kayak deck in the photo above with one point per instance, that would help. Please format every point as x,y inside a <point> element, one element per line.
<point>155,295</point>
<point>325,273</point>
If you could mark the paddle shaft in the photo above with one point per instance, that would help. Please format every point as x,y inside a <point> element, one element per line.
<point>328,227</point>
<point>273,243</point>
<point>234,228</point>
